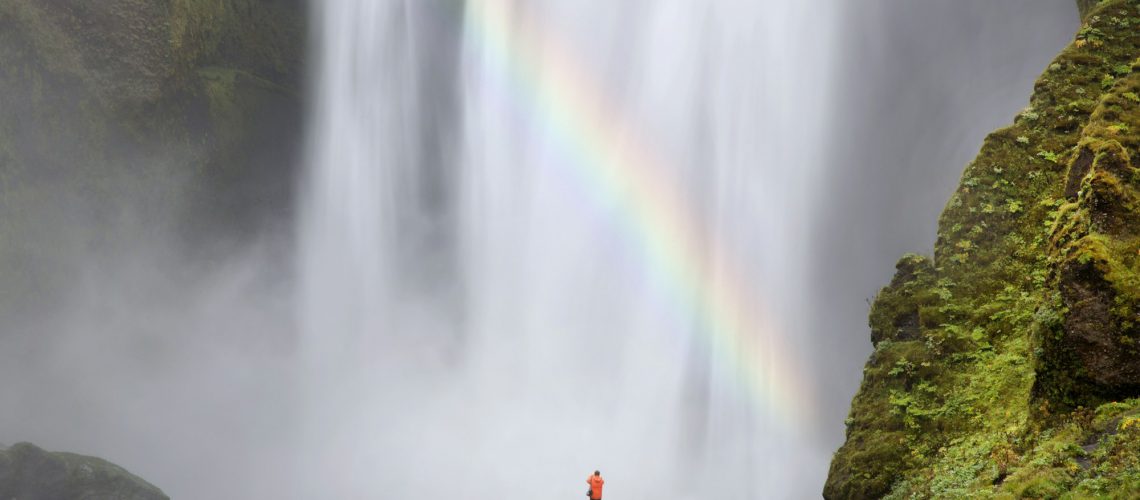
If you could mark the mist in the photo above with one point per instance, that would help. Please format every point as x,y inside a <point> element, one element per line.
<point>423,292</point>
<point>925,82</point>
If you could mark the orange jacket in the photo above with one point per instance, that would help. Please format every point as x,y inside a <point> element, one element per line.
<point>595,483</point>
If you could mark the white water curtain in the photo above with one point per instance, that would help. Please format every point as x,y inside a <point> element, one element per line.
<point>485,323</point>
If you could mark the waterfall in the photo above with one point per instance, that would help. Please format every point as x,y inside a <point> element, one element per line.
<point>488,303</point>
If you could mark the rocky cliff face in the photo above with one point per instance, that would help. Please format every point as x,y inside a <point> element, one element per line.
<point>178,114</point>
<point>1007,365</point>
<point>29,473</point>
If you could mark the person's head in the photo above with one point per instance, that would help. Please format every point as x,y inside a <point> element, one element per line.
<point>596,473</point>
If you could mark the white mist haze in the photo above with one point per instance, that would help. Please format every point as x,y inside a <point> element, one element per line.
<point>459,311</point>
<point>549,347</point>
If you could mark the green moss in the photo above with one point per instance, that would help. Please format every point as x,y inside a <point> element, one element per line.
<point>262,36</point>
<point>896,313</point>
<point>1085,6</point>
<point>986,396</point>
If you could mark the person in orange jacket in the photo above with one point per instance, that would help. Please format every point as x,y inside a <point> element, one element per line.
<point>595,481</point>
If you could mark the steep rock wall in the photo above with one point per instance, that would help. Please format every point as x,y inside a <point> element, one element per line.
<point>182,115</point>
<point>1006,365</point>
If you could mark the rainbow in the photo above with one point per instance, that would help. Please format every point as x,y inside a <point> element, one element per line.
<point>625,173</point>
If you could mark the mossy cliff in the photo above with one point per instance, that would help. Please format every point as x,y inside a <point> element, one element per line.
<point>30,473</point>
<point>1085,6</point>
<point>1008,365</point>
<point>122,113</point>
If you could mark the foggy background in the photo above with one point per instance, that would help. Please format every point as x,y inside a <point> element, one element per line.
<point>920,84</point>
<point>167,346</point>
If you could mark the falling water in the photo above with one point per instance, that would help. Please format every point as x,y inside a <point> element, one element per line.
<point>482,319</point>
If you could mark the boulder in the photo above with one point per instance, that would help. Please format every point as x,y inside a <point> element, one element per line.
<point>27,472</point>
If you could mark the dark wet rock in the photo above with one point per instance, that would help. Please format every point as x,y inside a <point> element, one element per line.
<point>895,313</point>
<point>1096,252</point>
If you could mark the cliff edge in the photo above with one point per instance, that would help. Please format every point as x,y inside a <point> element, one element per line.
<point>30,473</point>
<point>1008,364</point>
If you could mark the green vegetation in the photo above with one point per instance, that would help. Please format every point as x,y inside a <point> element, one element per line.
<point>1085,6</point>
<point>1008,365</point>
<point>167,109</point>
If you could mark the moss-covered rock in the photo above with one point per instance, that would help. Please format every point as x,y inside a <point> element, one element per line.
<point>897,310</point>
<point>1095,242</point>
<point>182,115</point>
<point>30,473</point>
<point>1086,6</point>
<point>996,364</point>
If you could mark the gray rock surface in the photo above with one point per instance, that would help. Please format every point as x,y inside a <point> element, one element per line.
<point>30,473</point>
